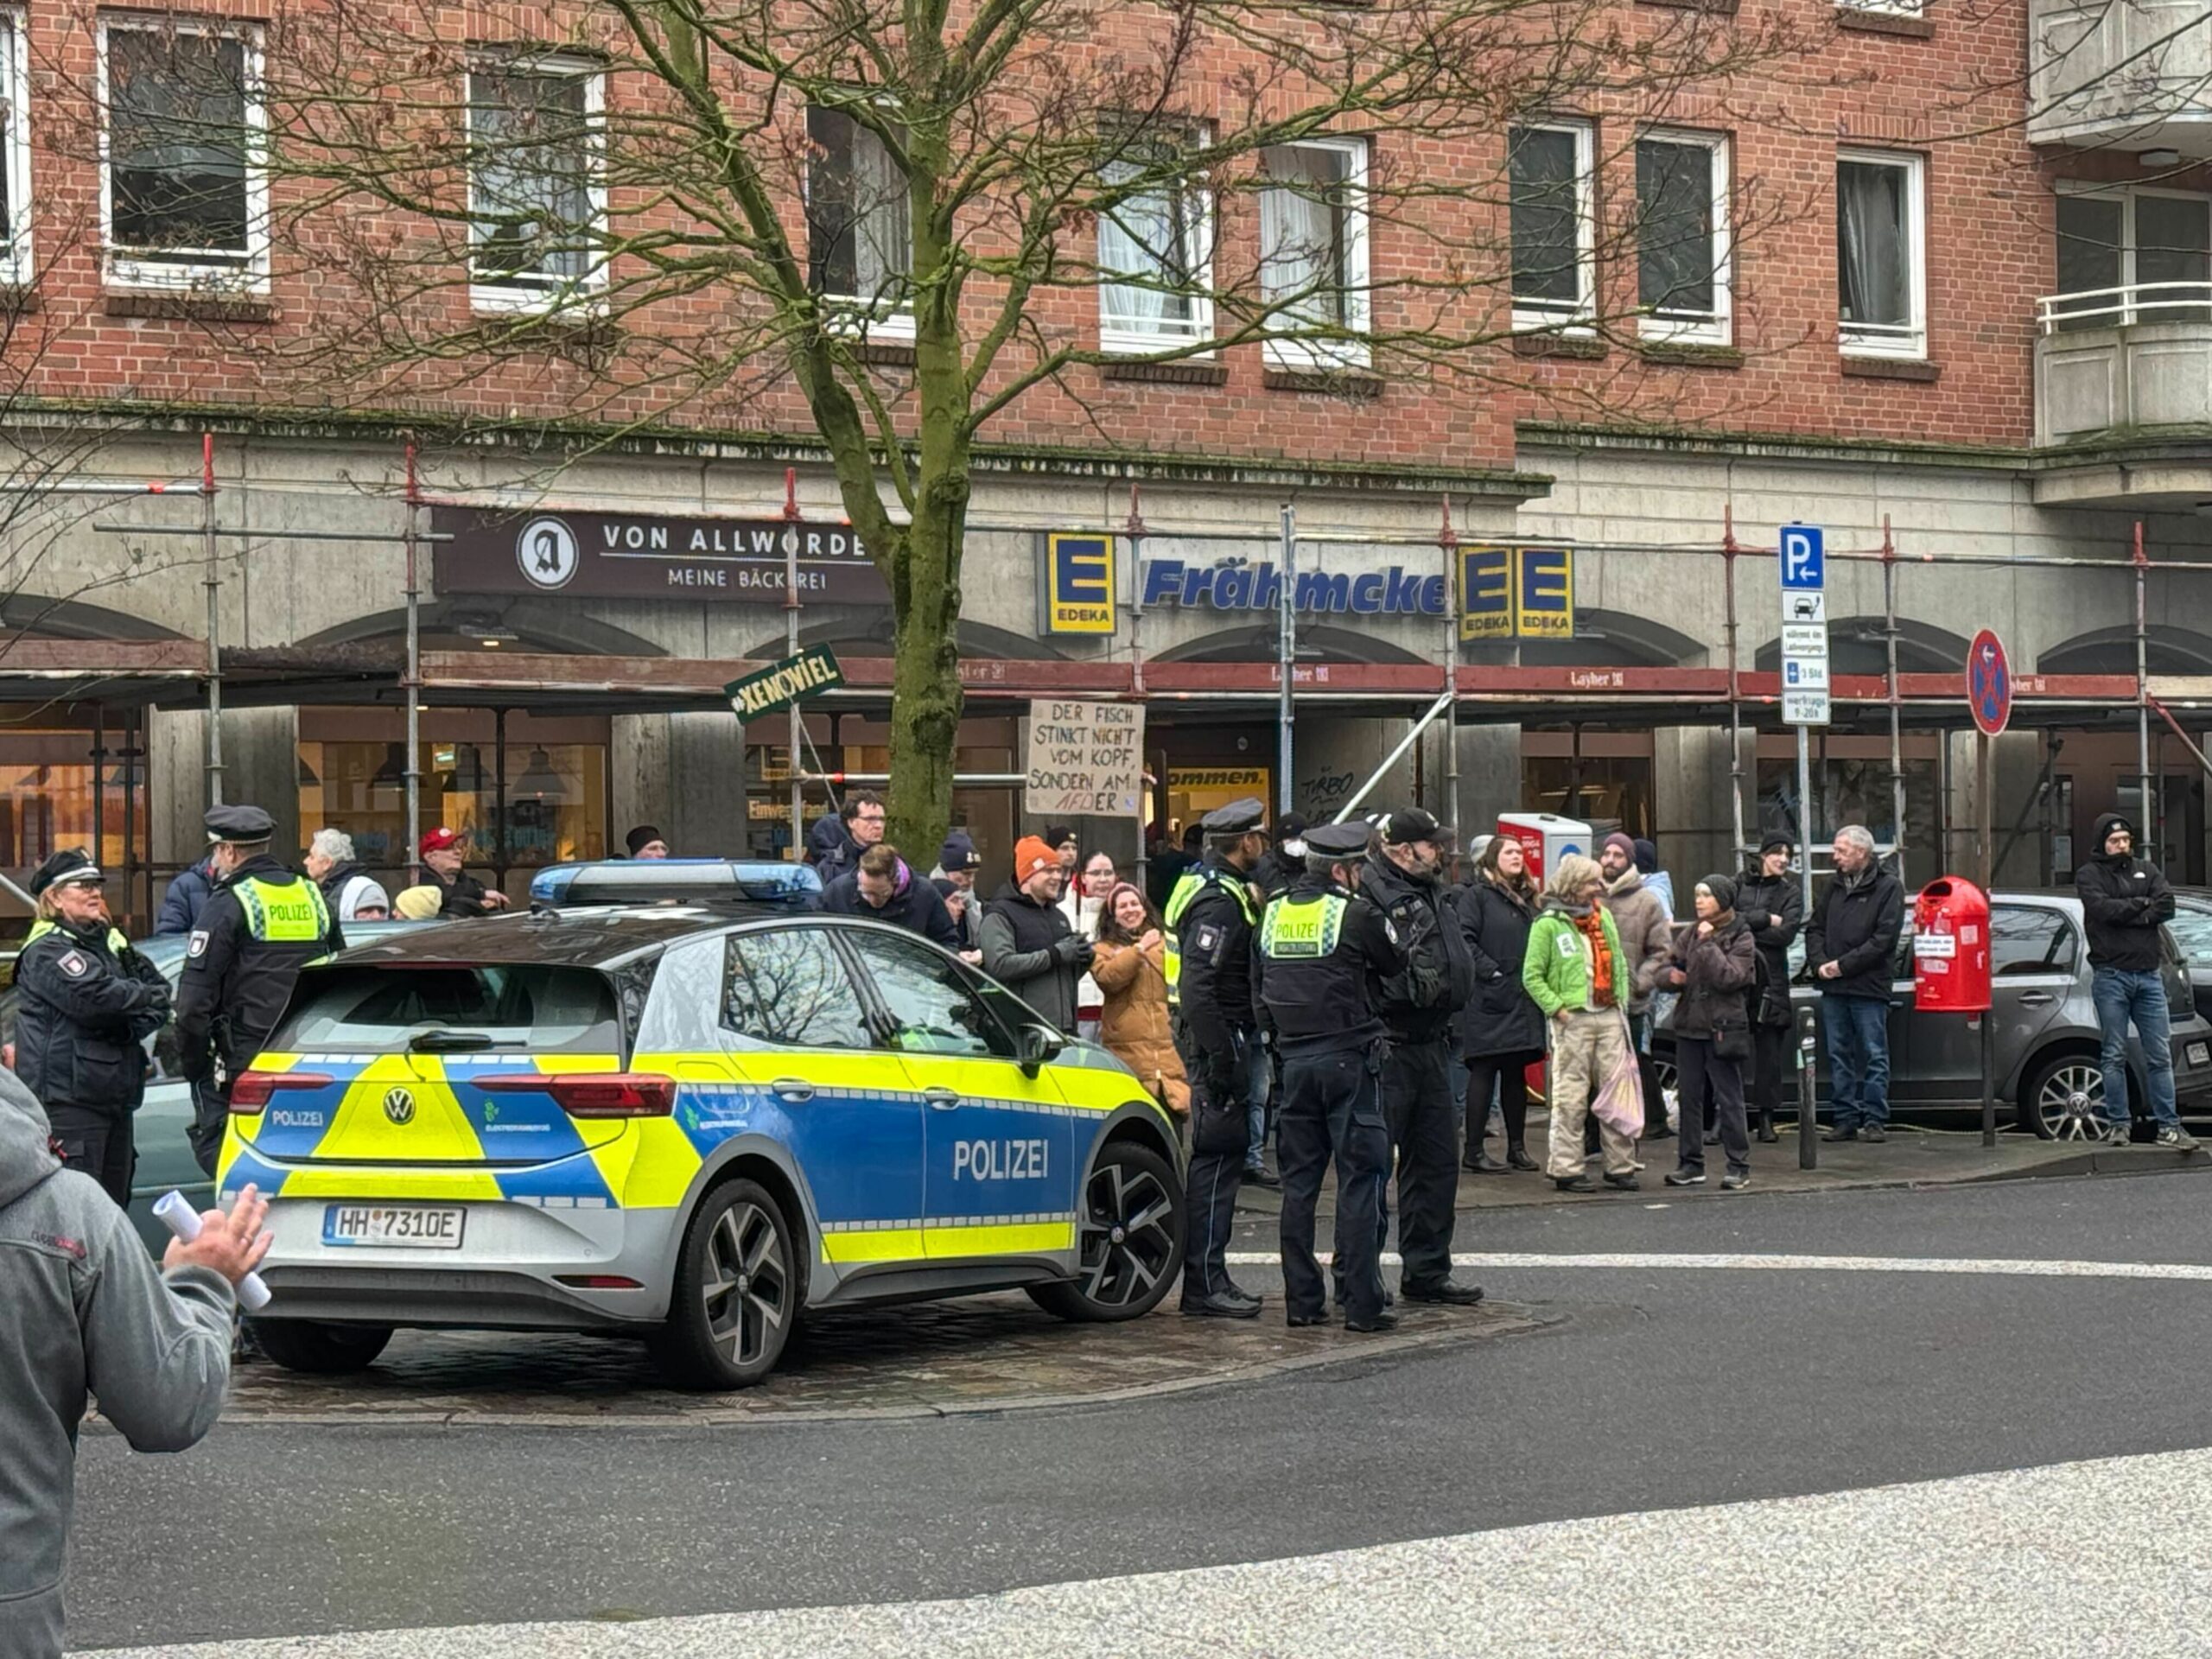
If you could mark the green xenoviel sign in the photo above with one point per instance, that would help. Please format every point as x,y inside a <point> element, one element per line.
<point>792,680</point>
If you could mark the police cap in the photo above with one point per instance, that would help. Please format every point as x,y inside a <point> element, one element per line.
<point>1237,819</point>
<point>70,865</point>
<point>241,823</point>
<point>1339,841</point>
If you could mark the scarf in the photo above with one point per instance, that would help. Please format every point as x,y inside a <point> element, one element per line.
<point>1591,922</point>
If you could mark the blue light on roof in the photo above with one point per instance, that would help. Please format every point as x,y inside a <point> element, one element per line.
<point>645,882</point>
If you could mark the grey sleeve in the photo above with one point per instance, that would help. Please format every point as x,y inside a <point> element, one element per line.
<point>157,1346</point>
<point>1002,962</point>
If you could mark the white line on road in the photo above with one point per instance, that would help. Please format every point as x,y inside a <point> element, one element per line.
<point>1639,1259</point>
<point>2053,1563</point>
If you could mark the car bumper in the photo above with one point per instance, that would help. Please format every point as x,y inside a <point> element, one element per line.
<point>520,1265</point>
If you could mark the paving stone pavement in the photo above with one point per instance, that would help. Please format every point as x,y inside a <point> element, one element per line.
<point>976,1354</point>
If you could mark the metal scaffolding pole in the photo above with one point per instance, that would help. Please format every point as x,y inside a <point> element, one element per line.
<point>1287,655</point>
<point>2145,807</point>
<point>1447,543</point>
<point>213,579</point>
<point>1728,549</point>
<point>1897,739</point>
<point>796,735</point>
<point>414,773</point>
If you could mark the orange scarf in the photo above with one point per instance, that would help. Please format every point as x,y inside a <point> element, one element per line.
<point>1593,924</point>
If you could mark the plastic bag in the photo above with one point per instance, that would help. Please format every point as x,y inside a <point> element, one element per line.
<point>1619,1104</point>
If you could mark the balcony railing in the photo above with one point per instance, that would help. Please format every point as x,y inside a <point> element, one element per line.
<point>2123,307</point>
<point>2113,358</point>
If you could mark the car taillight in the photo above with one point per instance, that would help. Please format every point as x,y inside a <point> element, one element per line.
<point>249,1090</point>
<point>590,1094</point>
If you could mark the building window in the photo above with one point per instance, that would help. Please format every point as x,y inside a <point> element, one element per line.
<point>1893,8</point>
<point>2127,257</point>
<point>1682,242</point>
<point>1881,260</point>
<point>1552,178</point>
<point>537,201</point>
<point>16,265</point>
<point>183,191</point>
<point>859,244</point>
<point>1155,257</point>
<point>1313,250</point>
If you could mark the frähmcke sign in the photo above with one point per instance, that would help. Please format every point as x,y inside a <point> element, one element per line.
<point>1393,592</point>
<point>780,685</point>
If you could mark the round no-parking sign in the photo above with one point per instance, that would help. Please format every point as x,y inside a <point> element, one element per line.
<point>1989,683</point>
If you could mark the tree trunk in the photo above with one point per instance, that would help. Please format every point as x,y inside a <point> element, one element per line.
<point>927,695</point>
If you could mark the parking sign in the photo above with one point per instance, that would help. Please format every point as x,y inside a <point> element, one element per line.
<point>1804,626</point>
<point>1804,558</point>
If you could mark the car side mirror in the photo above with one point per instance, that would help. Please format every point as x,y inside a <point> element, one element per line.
<point>1037,1047</point>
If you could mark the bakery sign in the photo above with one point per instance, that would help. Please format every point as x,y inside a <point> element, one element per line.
<point>647,555</point>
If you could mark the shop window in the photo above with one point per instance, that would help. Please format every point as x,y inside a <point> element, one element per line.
<point>183,185</point>
<point>46,803</point>
<point>1851,791</point>
<point>1598,788</point>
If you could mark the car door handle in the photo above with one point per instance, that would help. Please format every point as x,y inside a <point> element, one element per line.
<point>794,1090</point>
<point>2037,999</point>
<point>940,1098</point>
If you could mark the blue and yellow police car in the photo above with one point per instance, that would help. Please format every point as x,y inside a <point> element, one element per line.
<point>692,1118</point>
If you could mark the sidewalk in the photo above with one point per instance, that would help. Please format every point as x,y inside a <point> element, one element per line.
<point>1912,1157</point>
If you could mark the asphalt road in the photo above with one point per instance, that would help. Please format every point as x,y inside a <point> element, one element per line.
<point>1662,1389</point>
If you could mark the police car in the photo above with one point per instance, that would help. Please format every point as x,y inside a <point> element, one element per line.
<point>693,1120</point>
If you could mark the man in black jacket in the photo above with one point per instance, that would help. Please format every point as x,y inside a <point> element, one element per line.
<point>881,888</point>
<point>1420,1002</point>
<point>1851,942</point>
<point>1027,945</point>
<point>85,1002</point>
<point>1771,904</point>
<point>861,823</point>
<point>2124,901</point>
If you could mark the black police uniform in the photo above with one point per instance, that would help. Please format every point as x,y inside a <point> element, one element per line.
<point>1420,1005</point>
<point>1209,921</point>
<point>86,1003</point>
<point>1321,956</point>
<point>264,924</point>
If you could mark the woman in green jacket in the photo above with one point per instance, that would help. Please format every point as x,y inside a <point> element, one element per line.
<point>1575,970</point>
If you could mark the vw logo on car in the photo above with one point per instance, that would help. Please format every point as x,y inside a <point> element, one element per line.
<point>399,1105</point>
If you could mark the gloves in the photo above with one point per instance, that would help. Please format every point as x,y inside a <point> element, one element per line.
<point>1073,952</point>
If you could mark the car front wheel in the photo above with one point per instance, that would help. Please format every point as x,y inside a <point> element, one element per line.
<point>2066,1099</point>
<point>736,1293</point>
<point>318,1349</point>
<point>1129,1239</point>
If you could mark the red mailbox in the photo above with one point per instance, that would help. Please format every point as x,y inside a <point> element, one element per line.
<point>1950,947</point>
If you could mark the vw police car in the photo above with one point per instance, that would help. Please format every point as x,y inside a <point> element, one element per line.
<point>687,1119</point>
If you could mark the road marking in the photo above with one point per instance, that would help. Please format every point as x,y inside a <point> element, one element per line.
<point>1639,1259</point>
<point>1974,1566</point>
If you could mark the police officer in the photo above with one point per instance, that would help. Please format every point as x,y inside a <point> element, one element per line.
<point>262,927</point>
<point>1420,1004</point>
<point>86,1002</point>
<point>1210,917</point>
<point>1321,958</point>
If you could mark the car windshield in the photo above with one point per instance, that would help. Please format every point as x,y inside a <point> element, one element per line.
<point>530,1005</point>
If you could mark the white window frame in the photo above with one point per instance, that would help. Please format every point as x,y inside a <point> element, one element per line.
<point>1890,8</point>
<point>1719,329</point>
<point>2130,244</point>
<point>587,291</point>
<point>1134,343</point>
<point>1330,355</point>
<point>16,268</point>
<point>1550,317</point>
<point>1912,346</point>
<point>894,324</point>
<point>123,266</point>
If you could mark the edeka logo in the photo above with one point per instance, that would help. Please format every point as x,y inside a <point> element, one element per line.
<point>1395,592</point>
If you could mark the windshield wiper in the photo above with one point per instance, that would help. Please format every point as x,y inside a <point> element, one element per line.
<point>453,1042</point>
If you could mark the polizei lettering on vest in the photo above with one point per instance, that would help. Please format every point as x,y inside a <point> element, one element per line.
<point>1001,1161</point>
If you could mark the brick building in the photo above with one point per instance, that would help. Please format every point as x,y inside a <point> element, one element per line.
<point>1841,297</point>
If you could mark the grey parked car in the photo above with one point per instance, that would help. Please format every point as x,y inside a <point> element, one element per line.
<point>2046,1039</point>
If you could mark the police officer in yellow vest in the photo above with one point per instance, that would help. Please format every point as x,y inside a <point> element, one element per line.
<point>1322,955</point>
<point>85,1001</point>
<point>264,924</point>
<point>1210,917</point>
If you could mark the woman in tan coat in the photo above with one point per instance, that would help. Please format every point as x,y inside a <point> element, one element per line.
<point>1131,969</point>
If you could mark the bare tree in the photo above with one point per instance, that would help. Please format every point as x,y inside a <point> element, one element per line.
<point>902,224</point>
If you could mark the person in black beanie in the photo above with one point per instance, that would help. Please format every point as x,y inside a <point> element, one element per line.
<point>1771,903</point>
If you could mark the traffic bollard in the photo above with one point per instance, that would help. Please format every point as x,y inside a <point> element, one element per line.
<point>1809,1144</point>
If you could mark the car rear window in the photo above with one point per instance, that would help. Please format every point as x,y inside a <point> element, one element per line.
<point>526,1007</point>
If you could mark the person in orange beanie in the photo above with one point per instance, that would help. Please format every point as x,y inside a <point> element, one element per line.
<point>1028,946</point>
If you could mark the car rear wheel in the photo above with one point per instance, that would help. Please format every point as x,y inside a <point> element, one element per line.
<point>2066,1100</point>
<point>1129,1239</point>
<point>736,1293</point>
<point>318,1349</point>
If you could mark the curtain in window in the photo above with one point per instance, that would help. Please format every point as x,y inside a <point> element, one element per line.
<point>1874,278</point>
<point>882,244</point>
<point>1148,237</point>
<point>856,212</point>
<point>530,173</point>
<point>1302,253</point>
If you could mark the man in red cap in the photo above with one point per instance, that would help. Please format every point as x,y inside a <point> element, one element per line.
<point>462,894</point>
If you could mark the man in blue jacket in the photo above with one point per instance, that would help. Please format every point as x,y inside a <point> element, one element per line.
<point>187,896</point>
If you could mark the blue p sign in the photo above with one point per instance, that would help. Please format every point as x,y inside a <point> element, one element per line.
<point>1804,563</point>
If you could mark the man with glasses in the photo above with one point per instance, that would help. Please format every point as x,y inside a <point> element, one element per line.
<point>862,819</point>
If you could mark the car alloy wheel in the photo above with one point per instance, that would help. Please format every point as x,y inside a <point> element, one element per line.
<point>2067,1103</point>
<point>1129,1239</point>
<point>736,1293</point>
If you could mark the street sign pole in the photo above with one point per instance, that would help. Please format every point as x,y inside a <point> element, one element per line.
<point>1989,699</point>
<point>1804,705</point>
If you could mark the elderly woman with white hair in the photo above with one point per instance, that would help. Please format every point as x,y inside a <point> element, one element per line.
<point>353,894</point>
